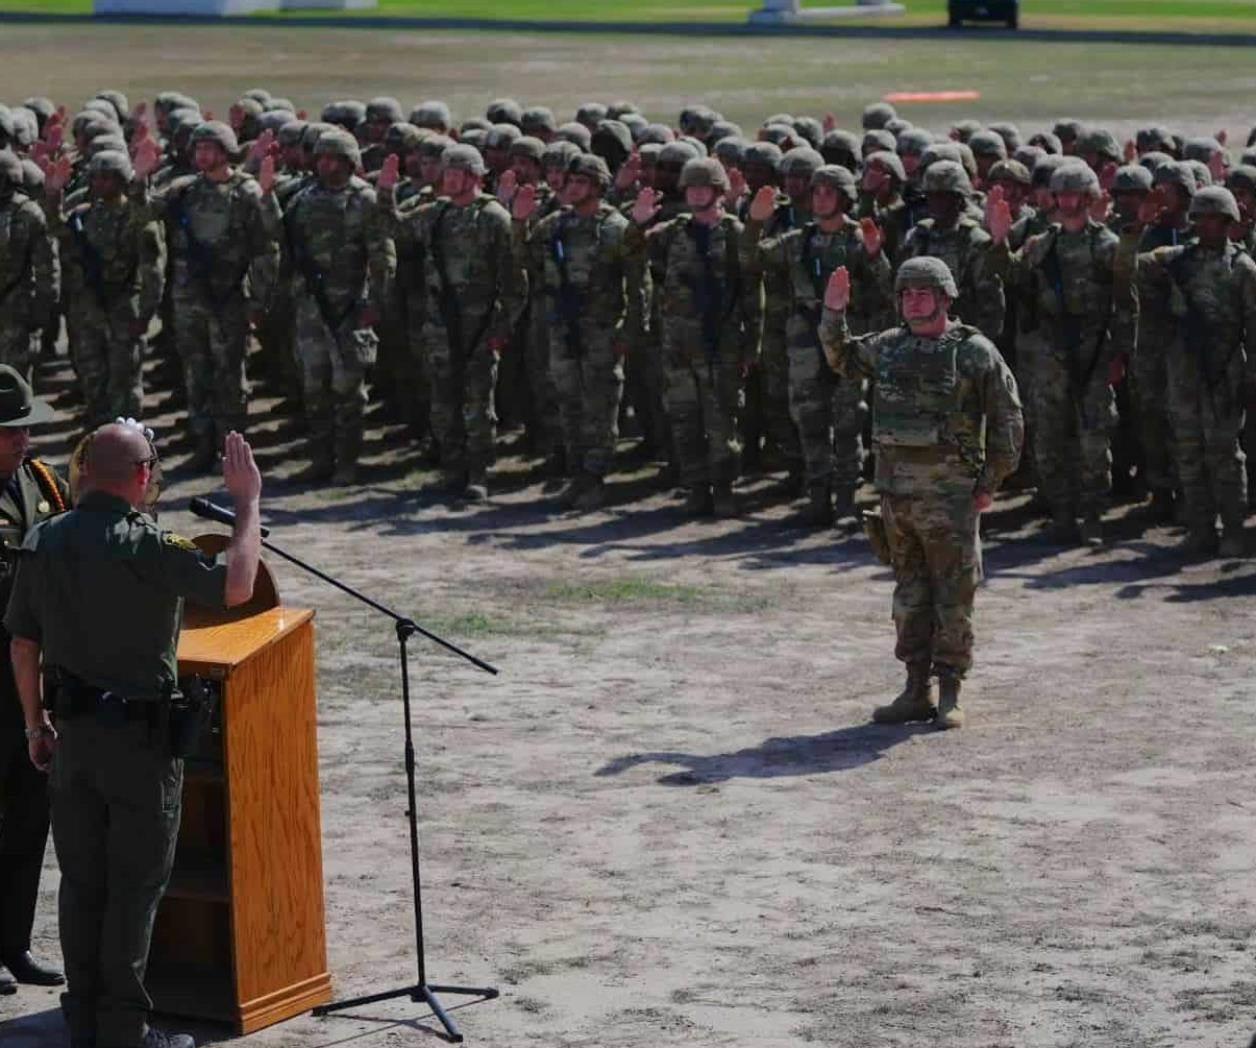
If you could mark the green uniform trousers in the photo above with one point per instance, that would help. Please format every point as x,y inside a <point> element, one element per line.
<point>116,799</point>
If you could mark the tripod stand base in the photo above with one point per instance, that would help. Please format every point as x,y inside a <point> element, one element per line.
<point>418,992</point>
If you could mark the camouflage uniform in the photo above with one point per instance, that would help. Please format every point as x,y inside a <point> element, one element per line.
<point>829,412</point>
<point>1085,312</point>
<point>474,293</point>
<point>589,293</point>
<point>28,273</point>
<point>1211,369</point>
<point>965,248</point>
<point>710,331</point>
<point>339,259</point>
<point>222,238</point>
<point>113,270</point>
<point>946,423</point>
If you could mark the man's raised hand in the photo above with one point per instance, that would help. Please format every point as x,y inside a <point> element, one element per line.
<point>837,292</point>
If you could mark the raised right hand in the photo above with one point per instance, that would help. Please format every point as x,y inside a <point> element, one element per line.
<point>146,158</point>
<point>837,292</point>
<point>647,206</point>
<point>389,173</point>
<point>1153,205</point>
<point>240,474</point>
<point>523,206</point>
<point>763,206</point>
<point>998,216</point>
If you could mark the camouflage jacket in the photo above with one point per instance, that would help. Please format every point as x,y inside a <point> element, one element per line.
<point>802,260</point>
<point>336,249</point>
<point>965,248</point>
<point>1077,292</point>
<point>470,274</point>
<point>110,253</point>
<point>777,294</point>
<point>1211,296</point>
<point>222,236</point>
<point>710,305</point>
<point>946,414</point>
<point>29,280</point>
<point>581,268</point>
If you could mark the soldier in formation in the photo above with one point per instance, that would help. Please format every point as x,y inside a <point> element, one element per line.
<point>373,233</point>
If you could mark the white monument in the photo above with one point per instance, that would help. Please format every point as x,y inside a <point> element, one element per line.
<point>791,12</point>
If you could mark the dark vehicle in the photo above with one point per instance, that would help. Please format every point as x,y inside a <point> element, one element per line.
<point>960,11</point>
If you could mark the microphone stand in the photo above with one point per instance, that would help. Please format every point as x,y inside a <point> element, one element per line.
<point>405,629</point>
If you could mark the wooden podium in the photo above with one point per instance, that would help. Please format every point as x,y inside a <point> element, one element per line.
<point>240,935</point>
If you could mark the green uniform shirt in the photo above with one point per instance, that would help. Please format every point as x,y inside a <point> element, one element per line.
<point>101,590</point>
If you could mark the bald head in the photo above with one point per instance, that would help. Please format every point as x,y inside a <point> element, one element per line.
<point>113,458</point>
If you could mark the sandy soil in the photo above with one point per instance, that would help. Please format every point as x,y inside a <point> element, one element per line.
<point>669,822</point>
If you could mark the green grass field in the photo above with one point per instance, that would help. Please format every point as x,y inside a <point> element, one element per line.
<point>1201,15</point>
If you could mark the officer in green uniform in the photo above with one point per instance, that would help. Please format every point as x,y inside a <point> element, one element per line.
<point>31,493</point>
<point>108,683</point>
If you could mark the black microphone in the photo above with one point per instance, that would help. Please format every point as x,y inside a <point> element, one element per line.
<point>202,507</point>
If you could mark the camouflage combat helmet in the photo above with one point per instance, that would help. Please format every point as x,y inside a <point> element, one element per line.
<point>1202,172</point>
<point>877,139</point>
<point>801,161</point>
<point>504,111</point>
<point>433,146</point>
<point>887,162</point>
<point>1010,134</point>
<point>660,133</point>
<point>963,130</point>
<point>810,129</point>
<point>913,142</point>
<point>183,122</point>
<point>577,133</point>
<point>1075,178</point>
<point>32,177</point>
<point>1010,171</point>
<point>25,127</point>
<point>289,135</point>
<point>1214,200</point>
<point>782,135</point>
<point>1068,130</point>
<point>704,171</point>
<point>217,132</point>
<point>461,157</point>
<point>590,114</point>
<point>273,119</point>
<point>839,178</point>
<point>622,108</point>
<point>258,94</point>
<point>1046,141</point>
<point>1101,142</point>
<point>403,137</point>
<point>1155,160</point>
<point>766,153</point>
<point>43,108</point>
<point>722,129</point>
<point>729,151</point>
<point>634,122</point>
<point>105,109</point>
<point>529,147</point>
<point>501,136</point>
<point>840,147</point>
<point>591,167</point>
<point>121,107</point>
<point>948,176</point>
<point>314,130</point>
<point>1241,177</point>
<point>1132,178</point>
<point>384,108</point>
<point>877,115</point>
<point>560,154</point>
<point>103,142</point>
<point>474,123</point>
<point>897,126</point>
<point>111,162</point>
<point>939,151</point>
<point>339,143</point>
<point>677,155</point>
<point>779,118</point>
<point>434,115</point>
<point>1149,139</point>
<point>277,105</point>
<point>1177,174</point>
<point>1201,148</point>
<point>611,140</point>
<point>926,271</point>
<point>538,120</point>
<point>988,143</point>
<point>10,170</point>
<point>1029,155</point>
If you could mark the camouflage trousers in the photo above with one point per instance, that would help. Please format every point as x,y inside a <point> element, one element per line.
<point>829,413</point>
<point>15,341</point>
<point>1149,388</point>
<point>211,341</point>
<point>277,341</point>
<point>702,403</point>
<point>463,418</point>
<point>1206,425</point>
<point>415,374</point>
<point>107,359</point>
<point>644,391</point>
<point>768,417</point>
<point>589,382</point>
<point>333,381</point>
<point>935,550</point>
<point>547,433</point>
<point>1072,434</point>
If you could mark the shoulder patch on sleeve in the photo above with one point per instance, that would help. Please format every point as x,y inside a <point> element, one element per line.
<point>170,538</point>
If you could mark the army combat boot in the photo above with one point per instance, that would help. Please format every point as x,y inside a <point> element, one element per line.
<point>819,504</point>
<point>949,713</point>
<point>723,504</point>
<point>1232,544</point>
<point>698,501</point>
<point>1092,530</point>
<point>915,702</point>
<point>593,497</point>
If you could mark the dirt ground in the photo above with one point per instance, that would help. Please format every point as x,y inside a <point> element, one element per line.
<point>668,821</point>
